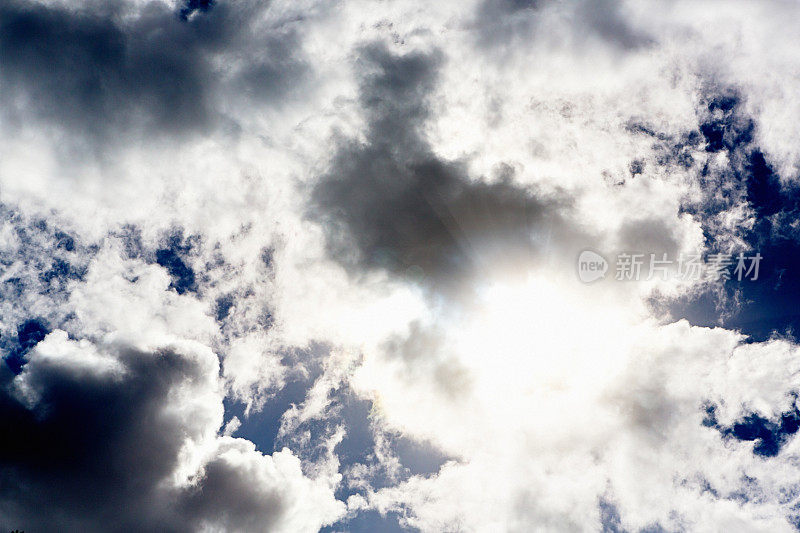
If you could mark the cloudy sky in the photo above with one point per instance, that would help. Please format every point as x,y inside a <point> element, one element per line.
<point>299,266</point>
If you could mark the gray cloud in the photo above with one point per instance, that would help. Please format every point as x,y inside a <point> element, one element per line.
<point>229,499</point>
<point>505,25</point>
<point>105,71</point>
<point>650,235</point>
<point>94,448</point>
<point>391,203</point>
<point>424,355</point>
<point>99,449</point>
<point>580,401</point>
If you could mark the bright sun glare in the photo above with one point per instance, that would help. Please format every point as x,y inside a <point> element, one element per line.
<point>541,340</point>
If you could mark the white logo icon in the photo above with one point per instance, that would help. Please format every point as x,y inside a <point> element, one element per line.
<point>591,266</point>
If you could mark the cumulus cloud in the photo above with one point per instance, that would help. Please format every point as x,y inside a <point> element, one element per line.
<point>288,266</point>
<point>109,70</point>
<point>115,438</point>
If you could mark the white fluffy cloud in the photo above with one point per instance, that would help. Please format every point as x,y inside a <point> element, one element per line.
<point>385,202</point>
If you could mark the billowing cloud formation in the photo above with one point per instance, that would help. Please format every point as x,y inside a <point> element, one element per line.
<point>389,201</point>
<point>116,439</point>
<point>297,266</point>
<point>106,71</point>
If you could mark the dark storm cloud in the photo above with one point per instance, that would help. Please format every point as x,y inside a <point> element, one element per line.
<point>229,498</point>
<point>106,70</point>
<point>94,450</point>
<point>391,203</point>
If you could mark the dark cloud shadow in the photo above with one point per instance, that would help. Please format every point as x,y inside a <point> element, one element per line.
<point>390,203</point>
<point>96,451</point>
<point>109,73</point>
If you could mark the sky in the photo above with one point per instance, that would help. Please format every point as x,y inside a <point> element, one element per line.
<point>351,266</point>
